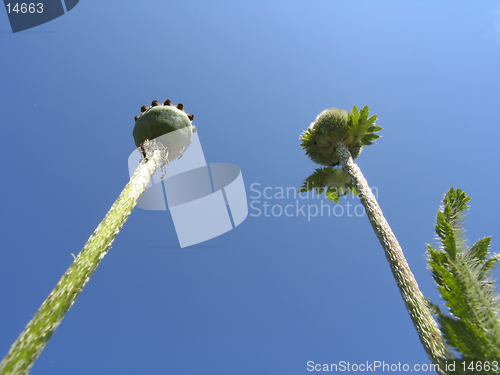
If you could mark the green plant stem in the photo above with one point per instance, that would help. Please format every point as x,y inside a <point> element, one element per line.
<point>30,343</point>
<point>425,324</point>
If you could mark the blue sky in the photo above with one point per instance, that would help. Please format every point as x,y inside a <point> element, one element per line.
<point>275,292</point>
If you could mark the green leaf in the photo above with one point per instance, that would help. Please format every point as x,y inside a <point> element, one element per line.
<point>332,196</point>
<point>371,137</point>
<point>354,115</point>
<point>455,203</point>
<point>490,264</point>
<point>437,257</point>
<point>363,114</point>
<point>480,249</point>
<point>370,122</point>
<point>374,129</point>
<point>440,228</point>
<point>449,241</point>
<point>467,338</point>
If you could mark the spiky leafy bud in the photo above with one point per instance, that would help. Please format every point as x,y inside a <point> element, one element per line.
<point>335,125</point>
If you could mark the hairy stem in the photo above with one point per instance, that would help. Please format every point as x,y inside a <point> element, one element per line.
<point>30,343</point>
<point>425,324</point>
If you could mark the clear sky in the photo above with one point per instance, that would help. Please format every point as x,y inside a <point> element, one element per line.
<point>275,292</point>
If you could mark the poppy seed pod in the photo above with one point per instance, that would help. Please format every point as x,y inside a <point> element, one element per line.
<point>159,120</point>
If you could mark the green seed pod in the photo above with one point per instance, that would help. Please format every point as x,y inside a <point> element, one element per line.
<point>158,120</point>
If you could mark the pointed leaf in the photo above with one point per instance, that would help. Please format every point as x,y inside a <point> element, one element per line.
<point>440,225</point>
<point>490,263</point>
<point>371,121</point>
<point>480,249</point>
<point>332,196</point>
<point>371,136</point>
<point>374,129</point>
<point>363,115</point>
<point>354,115</point>
<point>455,203</point>
<point>449,241</point>
<point>465,337</point>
